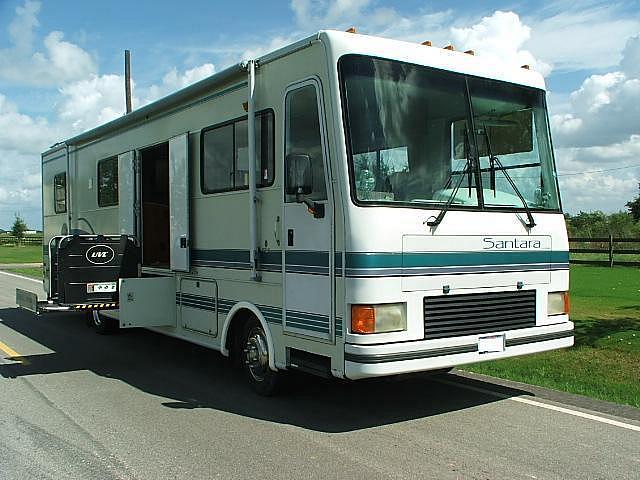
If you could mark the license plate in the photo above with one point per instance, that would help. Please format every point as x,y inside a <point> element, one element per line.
<point>491,344</point>
<point>101,287</point>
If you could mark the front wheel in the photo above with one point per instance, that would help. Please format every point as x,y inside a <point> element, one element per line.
<point>102,324</point>
<point>254,355</point>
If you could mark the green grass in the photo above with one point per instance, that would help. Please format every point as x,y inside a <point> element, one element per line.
<point>33,272</point>
<point>21,254</point>
<point>605,361</point>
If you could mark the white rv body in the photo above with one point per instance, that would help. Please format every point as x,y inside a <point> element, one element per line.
<point>309,271</point>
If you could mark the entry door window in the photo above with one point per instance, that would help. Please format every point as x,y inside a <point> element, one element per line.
<point>302,135</point>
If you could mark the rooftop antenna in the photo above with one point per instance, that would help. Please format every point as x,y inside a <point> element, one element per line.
<point>127,79</point>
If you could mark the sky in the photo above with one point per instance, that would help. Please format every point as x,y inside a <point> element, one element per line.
<point>61,70</point>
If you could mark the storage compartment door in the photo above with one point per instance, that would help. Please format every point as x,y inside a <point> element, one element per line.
<point>179,202</point>
<point>127,193</point>
<point>147,302</point>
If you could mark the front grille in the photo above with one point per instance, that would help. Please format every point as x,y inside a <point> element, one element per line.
<point>469,314</point>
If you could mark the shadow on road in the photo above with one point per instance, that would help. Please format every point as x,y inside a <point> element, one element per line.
<point>189,376</point>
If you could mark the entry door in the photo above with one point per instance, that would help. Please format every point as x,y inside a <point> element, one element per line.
<point>127,194</point>
<point>179,203</point>
<point>308,246</point>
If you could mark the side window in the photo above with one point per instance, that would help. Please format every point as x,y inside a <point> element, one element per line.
<point>302,135</point>
<point>60,193</point>
<point>108,182</point>
<point>225,155</point>
<point>217,159</point>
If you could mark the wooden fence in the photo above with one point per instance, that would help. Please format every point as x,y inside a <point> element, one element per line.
<point>26,240</point>
<point>605,250</point>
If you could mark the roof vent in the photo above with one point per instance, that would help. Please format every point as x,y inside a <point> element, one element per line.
<point>449,47</point>
<point>426,43</point>
<point>469,52</point>
<point>351,30</point>
<point>526,67</point>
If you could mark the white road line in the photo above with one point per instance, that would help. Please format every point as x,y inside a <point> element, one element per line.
<point>20,276</point>
<point>548,406</point>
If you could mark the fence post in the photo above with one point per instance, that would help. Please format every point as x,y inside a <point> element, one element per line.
<point>610,251</point>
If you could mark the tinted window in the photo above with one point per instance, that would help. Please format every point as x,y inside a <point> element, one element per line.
<point>225,155</point>
<point>60,193</point>
<point>217,172</point>
<point>108,182</point>
<point>303,135</point>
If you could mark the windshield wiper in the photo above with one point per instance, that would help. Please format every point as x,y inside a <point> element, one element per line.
<point>493,161</point>
<point>436,221</point>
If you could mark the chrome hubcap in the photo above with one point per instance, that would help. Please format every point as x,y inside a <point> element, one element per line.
<point>257,354</point>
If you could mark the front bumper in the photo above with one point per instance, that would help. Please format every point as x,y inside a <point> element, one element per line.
<point>362,361</point>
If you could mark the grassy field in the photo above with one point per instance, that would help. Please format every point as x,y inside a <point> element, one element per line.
<point>21,254</point>
<point>605,361</point>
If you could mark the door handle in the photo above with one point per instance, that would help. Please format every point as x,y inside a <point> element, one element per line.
<point>184,241</point>
<point>290,237</point>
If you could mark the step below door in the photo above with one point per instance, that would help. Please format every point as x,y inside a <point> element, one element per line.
<point>147,302</point>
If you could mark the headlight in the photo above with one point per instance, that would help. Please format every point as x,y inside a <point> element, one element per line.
<point>558,303</point>
<point>390,317</point>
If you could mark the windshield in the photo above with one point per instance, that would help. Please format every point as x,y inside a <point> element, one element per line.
<point>421,136</point>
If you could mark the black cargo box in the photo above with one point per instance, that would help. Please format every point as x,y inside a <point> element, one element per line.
<point>86,268</point>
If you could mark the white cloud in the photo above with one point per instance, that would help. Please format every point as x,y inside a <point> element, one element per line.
<point>499,38</point>
<point>601,130</point>
<point>173,80</point>
<point>59,61</point>
<point>582,38</point>
<point>630,63</point>
<point>595,191</point>
<point>22,133</point>
<point>22,26</point>
<point>88,103</point>
<point>313,14</point>
<point>604,110</point>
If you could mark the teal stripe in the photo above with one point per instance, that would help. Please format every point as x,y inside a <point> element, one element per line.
<point>559,257</point>
<point>307,258</point>
<point>374,260</point>
<point>446,259</point>
<point>304,326</point>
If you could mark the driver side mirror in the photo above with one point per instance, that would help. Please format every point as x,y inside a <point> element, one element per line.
<point>299,174</point>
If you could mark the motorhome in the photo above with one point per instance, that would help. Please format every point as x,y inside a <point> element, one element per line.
<point>347,205</point>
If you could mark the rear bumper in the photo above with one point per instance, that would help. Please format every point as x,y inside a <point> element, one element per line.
<point>362,361</point>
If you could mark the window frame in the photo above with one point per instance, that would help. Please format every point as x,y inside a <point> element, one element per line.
<point>100,162</point>
<point>55,189</point>
<point>316,83</point>
<point>477,208</point>
<point>233,121</point>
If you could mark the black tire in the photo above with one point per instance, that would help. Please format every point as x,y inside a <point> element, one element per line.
<point>254,356</point>
<point>101,324</point>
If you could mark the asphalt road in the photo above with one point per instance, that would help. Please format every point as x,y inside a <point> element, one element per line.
<point>143,406</point>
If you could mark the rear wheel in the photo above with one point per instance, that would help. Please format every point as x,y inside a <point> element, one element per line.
<point>102,324</point>
<point>254,355</point>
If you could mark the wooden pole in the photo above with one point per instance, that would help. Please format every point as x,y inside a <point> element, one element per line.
<point>127,79</point>
<point>611,251</point>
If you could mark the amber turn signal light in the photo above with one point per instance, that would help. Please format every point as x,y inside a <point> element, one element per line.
<point>363,319</point>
